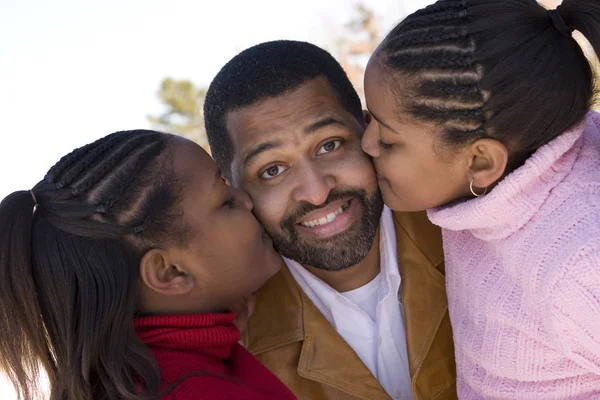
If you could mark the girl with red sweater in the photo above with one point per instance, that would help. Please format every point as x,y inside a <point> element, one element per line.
<point>118,271</point>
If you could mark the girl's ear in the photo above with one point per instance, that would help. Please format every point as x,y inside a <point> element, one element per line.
<point>487,162</point>
<point>162,275</point>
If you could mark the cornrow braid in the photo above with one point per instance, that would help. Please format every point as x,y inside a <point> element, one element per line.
<point>414,63</point>
<point>467,92</point>
<point>427,36</point>
<point>65,162</point>
<point>428,112</point>
<point>93,178</point>
<point>117,186</point>
<point>462,135</point>
<point>83,159</point>
<point>441,7</point>
<point>120,151</point>
<point>427,20</point>
<point>433,50</point>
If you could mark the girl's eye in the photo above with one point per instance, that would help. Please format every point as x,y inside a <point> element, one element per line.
<point>229,202</point>
<point>273,172</point>
<point>329,147</point>
<point>385,146</point>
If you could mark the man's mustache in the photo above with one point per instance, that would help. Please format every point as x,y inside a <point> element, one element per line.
<point>305,207</point>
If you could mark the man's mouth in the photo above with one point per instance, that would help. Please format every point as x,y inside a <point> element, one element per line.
<point>327,219</point>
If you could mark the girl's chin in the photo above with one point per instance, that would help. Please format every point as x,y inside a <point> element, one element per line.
<point>394,202</point>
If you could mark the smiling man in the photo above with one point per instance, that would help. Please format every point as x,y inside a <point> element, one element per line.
<point>359,311</point>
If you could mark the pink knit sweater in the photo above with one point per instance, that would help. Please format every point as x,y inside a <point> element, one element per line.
<point>523,276</point>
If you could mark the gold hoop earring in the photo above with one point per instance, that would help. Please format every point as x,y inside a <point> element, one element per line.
<point>473,191</point>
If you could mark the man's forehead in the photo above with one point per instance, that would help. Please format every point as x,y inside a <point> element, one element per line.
<point>282,115</point>
<point>275,116</point>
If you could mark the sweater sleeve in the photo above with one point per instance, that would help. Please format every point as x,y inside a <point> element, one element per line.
<point>574,310</point>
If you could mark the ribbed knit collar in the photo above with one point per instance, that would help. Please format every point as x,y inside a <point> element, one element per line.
<point>516,199</point>
<point>209,334</point>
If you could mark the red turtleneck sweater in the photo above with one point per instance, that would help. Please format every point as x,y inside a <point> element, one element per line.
<point>201,351</point>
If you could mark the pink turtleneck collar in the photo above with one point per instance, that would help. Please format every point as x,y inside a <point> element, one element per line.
<point>516,199</point>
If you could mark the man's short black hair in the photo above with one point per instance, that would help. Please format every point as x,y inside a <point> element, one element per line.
<point>265,71</point>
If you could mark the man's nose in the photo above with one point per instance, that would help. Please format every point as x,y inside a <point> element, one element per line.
<point>314,185</point>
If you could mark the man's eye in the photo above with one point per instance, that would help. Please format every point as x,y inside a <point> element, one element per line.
<point>273,172</point>
<point>329,147</point>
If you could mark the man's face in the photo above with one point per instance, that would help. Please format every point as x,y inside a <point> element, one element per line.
<point>314,190</point>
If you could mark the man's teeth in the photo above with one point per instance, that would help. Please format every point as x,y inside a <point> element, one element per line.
<point>325,220</point>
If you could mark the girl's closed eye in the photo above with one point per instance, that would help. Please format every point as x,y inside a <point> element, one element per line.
<point>229,202</point>
<point>384,145</point>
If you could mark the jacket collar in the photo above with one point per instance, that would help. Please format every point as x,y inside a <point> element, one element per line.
<point>299,320</point>
<point>421,261</point>
<point>285,299</point>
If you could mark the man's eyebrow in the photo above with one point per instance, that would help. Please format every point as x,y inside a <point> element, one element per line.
<point>255,151</point>
<point>378,119</point>
<point>312,128</point>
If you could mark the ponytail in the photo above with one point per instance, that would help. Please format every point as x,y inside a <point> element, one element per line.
<point>23,342</point>
<point>584,19</point>
<point>584,16</point>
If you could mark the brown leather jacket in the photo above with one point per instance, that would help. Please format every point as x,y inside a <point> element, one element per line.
<point>295,341</point>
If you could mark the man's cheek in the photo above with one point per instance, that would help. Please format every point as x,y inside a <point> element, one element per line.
<point>358,172</point>
<point>268,217</point>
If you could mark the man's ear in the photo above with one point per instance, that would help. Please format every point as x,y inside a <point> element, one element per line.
<point>487,162</point>
<point>162,275</point>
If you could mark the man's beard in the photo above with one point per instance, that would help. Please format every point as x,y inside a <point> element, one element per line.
<point>340,251</point>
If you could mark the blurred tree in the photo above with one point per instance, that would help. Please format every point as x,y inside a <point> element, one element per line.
<point>360,38</point>
<point>183,116</point>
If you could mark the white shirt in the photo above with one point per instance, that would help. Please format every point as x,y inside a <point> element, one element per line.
<point>370,318</point>
<point>367,297</point>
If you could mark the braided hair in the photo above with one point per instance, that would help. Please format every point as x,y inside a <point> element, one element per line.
<point>493,68</point>
<point>69,269</point>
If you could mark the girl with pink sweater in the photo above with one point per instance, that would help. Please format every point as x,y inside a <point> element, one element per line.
<point>480,113</point>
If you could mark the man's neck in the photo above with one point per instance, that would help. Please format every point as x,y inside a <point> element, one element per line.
<point>355,276</point>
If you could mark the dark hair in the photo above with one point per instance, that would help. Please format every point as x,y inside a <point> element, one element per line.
<point>494,68</point>
<point>265,71</point>
<point>69,268</point>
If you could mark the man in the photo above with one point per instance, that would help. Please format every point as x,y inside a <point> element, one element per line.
<point>360,309</point>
